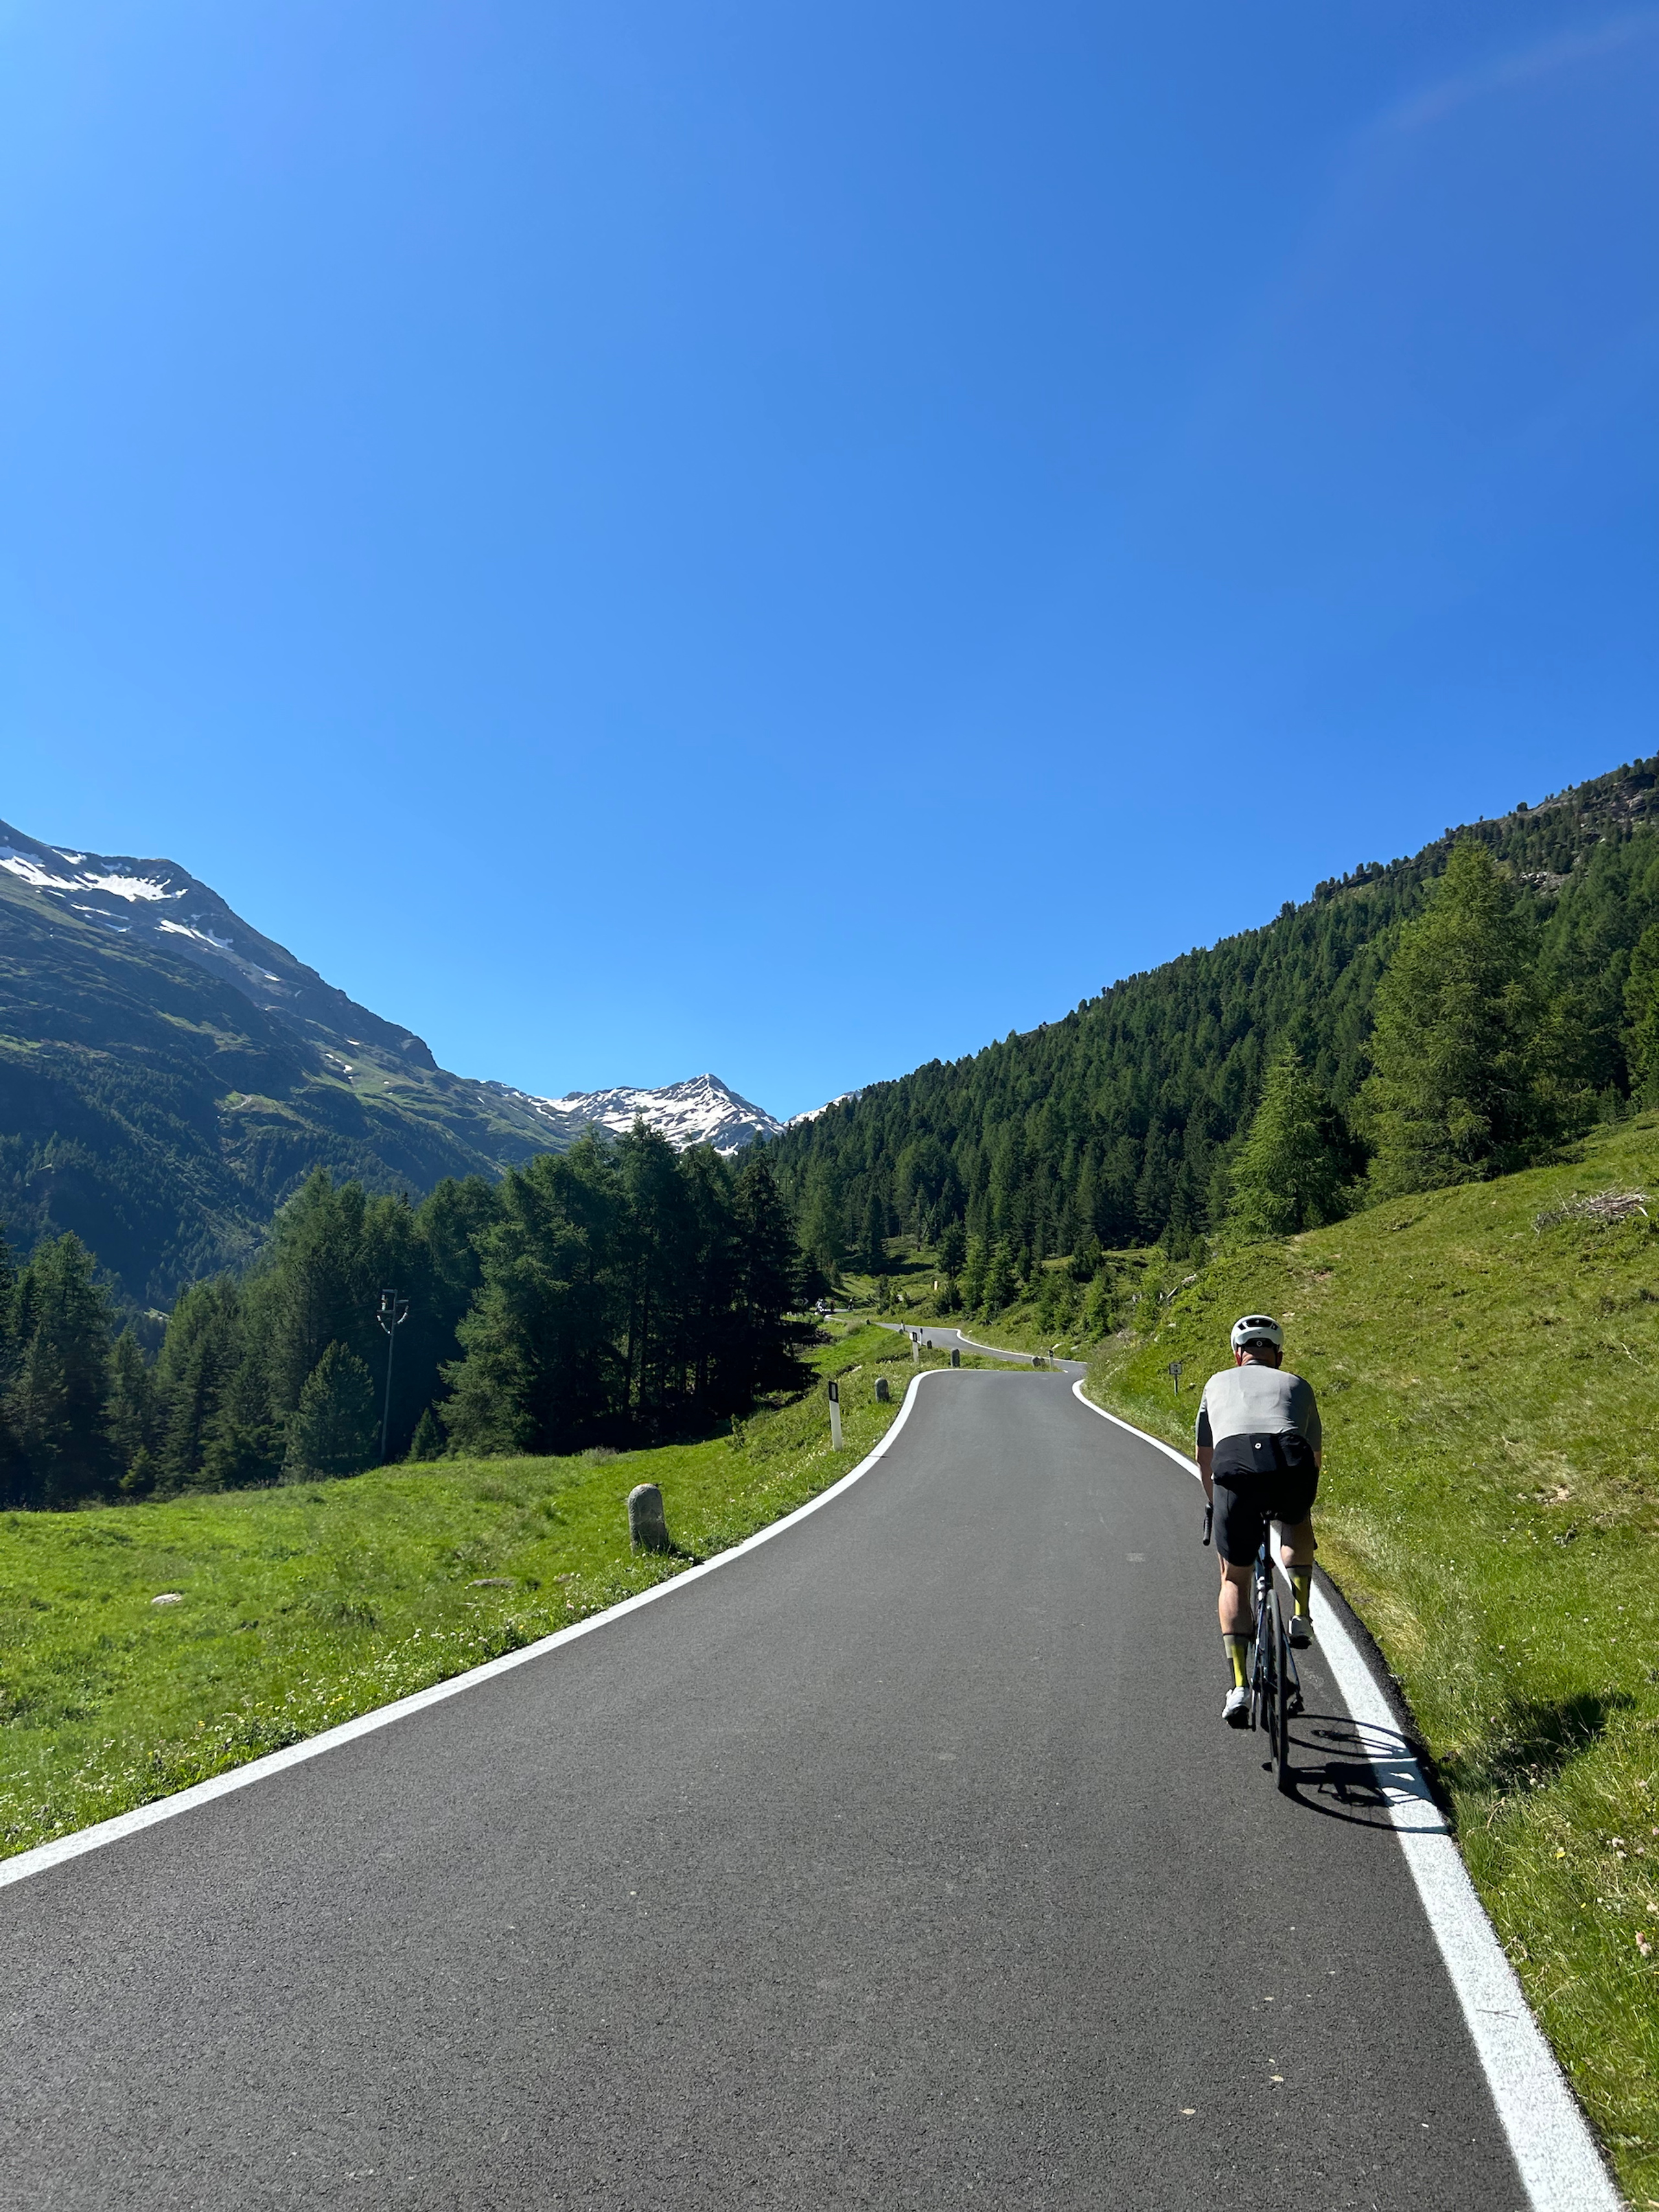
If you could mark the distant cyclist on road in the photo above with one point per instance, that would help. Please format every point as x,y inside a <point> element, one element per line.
<point>1258,1452</point>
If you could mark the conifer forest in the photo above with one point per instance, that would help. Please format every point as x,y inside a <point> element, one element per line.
<point>1426,1022</point>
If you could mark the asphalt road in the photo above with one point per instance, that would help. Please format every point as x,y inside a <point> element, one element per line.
<point>952,1339</point>
<point>902,1862</point>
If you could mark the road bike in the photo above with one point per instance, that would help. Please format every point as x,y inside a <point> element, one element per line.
<point>1274,1685</point>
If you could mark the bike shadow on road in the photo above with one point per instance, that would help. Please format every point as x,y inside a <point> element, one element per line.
<point>1349,1770</point>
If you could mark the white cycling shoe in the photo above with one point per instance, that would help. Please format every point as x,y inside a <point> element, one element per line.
<point>1299,1634</point>
<point>1237,1711</point>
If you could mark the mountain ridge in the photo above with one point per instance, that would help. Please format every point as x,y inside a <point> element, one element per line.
<point>701,1110</point>
<point>159,901</point>
<point>169,1075</point>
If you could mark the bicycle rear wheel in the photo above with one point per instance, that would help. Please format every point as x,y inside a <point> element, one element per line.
<point>1281,1723</point>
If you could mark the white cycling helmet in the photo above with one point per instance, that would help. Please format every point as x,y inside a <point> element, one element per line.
<point>1257,1329</point>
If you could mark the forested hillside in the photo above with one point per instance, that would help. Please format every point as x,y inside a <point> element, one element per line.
<point>151,1104</point>
<point>1120,1122</point>
<point>619,1293</point>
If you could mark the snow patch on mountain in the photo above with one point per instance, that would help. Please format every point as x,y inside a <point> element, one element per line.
<point>844,1098</point>
<point>130,898</point>
<point>702,1110</point>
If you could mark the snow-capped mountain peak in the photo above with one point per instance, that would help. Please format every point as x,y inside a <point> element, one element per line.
<point>157,902</point>
<point>702,1110</point>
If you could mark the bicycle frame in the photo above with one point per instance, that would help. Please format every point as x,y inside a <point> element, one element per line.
<point>1275,1686</point>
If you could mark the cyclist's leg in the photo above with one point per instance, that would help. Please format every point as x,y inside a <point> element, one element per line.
<point>1297,1549</point>
<point>1297,1546</point>
<point>1233,1605</point>
<point>1238,1525</point>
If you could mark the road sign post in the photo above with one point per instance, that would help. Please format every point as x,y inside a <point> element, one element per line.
<point>1173,1370</point>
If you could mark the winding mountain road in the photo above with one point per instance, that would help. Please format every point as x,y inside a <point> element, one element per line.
<point>903,1862</point>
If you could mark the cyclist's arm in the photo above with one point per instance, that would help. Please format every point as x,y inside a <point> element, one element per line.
<point>1205,1462</point>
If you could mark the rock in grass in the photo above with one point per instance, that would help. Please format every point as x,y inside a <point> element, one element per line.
<point>647,1531</point>
<point>883,1394</point>
<point>490,1581</point>
<point>169,1597</point>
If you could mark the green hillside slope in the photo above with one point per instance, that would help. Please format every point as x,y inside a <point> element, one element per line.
<point>148,1105</point>
<point>1117,1122</point>
<point>305,1604</point>
<point>1486,1360</point>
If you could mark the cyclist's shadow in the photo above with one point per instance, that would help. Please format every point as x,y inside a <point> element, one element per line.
<point>1350,1771</point>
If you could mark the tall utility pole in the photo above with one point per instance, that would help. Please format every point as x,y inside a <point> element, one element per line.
<point>394,1312</point>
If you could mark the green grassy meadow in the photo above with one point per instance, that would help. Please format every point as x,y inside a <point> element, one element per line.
<point>306,1605</point>
<point>1490,1505</point>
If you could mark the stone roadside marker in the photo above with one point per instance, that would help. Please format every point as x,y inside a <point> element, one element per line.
<point>647,1531</point>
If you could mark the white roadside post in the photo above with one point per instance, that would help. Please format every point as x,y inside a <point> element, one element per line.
<point>835,1417</point>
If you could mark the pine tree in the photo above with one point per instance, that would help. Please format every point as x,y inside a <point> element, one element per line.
<point>564,1310</point>
<point>131,1417</point>
<point>821,1234</point>
<point>201,1350</point>
<point>1000,1280</point>
<point>1098,1306</point>
<point>1294,1168</point>
<point>1642,1018</point>
<point>952,1248</point>
<point>769,1288</point>
<point>873,1256</point>
<point>973,1267</point>
<point>14,1482</point>
<point>428,1439</point>
<point>1461,1086</point>
<point>243,1446</point>
<point>58,1404</point>
<point>333,1431</point>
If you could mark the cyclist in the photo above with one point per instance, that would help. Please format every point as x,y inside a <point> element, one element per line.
<point>1258,1452</point>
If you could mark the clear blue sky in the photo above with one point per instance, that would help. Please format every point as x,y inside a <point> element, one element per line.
<point>787,538</point>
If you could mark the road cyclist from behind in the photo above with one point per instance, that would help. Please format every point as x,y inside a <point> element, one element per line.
<point>1259,1453</point>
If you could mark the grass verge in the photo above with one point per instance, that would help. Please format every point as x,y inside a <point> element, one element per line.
<point>307,1604</point>
<point>1490,1505</point>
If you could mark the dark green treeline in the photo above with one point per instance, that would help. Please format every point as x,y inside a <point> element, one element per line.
<point>621,1293</point>
<point>1120,1123</point>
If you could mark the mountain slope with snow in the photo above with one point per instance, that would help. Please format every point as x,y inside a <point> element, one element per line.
<point>169,1075</point>
<point>702,1110</point>
<point>159,903</point>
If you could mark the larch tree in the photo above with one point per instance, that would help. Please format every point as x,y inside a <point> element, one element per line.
<point>333,1430</point>
<point>1463,1083</point>
<point>1297,1164</point>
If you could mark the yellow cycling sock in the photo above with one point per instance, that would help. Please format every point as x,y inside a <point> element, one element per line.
<point>1300,1585</point>
<point>1238,1652</point>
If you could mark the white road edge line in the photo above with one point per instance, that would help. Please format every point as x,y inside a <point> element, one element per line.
<point>43,1855</point>
<point>1560,2165</point>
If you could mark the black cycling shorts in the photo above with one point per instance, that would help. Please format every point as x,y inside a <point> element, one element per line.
<point>1245,1504</point>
